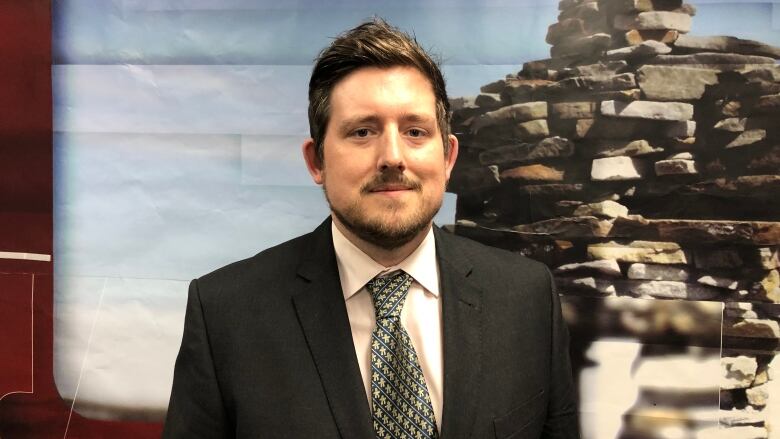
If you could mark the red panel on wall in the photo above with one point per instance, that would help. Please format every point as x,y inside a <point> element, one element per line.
<point>16,332</point>
<point>43,414</point>
<point>26,287</point>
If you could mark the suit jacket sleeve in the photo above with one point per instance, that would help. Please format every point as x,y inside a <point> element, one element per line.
<point>196,408</point>
<point>562,415</point>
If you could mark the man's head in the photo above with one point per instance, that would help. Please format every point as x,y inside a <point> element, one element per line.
<point>380,146</point>
<point>371,44</point>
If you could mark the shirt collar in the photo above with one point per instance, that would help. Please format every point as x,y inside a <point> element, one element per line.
<point>357,268</point>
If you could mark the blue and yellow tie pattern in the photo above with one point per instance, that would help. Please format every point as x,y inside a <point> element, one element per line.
<point>401,403</point>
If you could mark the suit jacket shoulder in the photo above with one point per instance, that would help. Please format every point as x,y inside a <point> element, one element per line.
<point>491,266</point>
<point>269,267</point>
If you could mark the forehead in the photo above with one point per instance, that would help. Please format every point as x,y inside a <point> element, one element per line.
<point>374,89</point>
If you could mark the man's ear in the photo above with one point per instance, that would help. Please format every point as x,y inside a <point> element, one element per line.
<point>451,156</point>
<point>313,163</point>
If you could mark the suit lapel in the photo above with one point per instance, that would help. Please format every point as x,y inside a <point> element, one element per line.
<point>323,317</point>
<point>462,318</point>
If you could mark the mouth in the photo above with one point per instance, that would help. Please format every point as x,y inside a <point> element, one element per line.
<point>391,188</point>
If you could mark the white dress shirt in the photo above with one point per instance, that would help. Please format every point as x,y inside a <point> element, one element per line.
<point>421,315</point>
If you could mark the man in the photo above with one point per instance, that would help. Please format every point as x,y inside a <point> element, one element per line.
<point>377,324</point>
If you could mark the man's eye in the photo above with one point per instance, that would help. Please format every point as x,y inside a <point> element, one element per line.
<point>414,132</point>
<point>363,132</point>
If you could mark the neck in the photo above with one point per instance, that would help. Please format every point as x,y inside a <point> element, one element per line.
<point>383,256</point>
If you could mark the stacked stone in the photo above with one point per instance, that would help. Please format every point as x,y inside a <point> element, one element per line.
<point>750,370</point>
<point>638,161</point>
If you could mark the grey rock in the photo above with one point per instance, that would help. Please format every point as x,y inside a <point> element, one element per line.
<point>617,168</point>
<point>732,124</point>
<point>754,328</point>
<point>761,73</point>
<point>658,272</point>
<point>669,83</point>
<point>680,129</point>
<point>606,209</point>
<point>516,112</point>
<point>463,103</point>
<point>584,10</point>
<point>748,137</point>
<point>488,100</point>
<point>469,180</point>
<point>639,251</point>
<point>566,28</point>
<point>726,44</point>
<point>546,148</point>
<point>532,129</point>
<point>632,94</point>
<point>465,223</point>
<point>521,91</point>
<point>601,69</point>
<point>768,257</point>
<point>744,186</point>
<point>681,156</point>
<point>662,289</point>
<point>634,5</point>
<point>758,396</point>
<point>644,49</point>
<point>735,417</point>
<point>573,110</point>
<point>697,232</point>
<point>494,87</point>
<point>554,190</point>
<point>621,81</point>
<point>567,228</point>
<point>711,59</point>
<point>588,45</point>
<point>608,267</point>
<point>675,167</point>
<point>738,372</point>
<point>614,148</point>
<point>671,111</point>
<point>619,128</point>
<point>717,281</point>
<point>654,20</point>
<point>590,284</point>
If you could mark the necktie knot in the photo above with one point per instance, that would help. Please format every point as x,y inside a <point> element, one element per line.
<point>389,294</point>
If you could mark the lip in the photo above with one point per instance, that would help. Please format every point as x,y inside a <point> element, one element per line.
<point>391,188</point>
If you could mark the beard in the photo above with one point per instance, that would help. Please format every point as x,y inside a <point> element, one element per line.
<point>386,231</point>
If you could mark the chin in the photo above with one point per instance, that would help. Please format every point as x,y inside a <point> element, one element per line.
<point>385,231</point>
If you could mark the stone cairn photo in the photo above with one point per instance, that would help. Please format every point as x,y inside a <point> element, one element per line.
<point>641,161</point>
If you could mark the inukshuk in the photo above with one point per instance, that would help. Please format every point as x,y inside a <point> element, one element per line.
<point>638,161</point>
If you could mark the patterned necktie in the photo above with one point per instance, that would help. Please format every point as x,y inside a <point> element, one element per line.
<point>401,403</point>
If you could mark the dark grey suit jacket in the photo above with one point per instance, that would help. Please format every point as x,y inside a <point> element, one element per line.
<point>267,350</point>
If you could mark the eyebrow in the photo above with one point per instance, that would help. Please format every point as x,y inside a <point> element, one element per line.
<point>375,120</point>
<point>359,120</point>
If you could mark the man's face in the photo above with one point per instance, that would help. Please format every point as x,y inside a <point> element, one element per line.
<point>384,169</point>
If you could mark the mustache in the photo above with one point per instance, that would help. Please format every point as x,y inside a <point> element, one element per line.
<point>390,178</point>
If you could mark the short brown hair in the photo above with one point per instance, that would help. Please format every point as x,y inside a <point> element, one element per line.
<point>374,43</point>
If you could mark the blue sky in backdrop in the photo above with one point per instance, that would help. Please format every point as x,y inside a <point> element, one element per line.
<point>177,133</point>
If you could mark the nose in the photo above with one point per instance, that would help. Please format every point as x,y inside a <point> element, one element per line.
<point>391,152</point>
